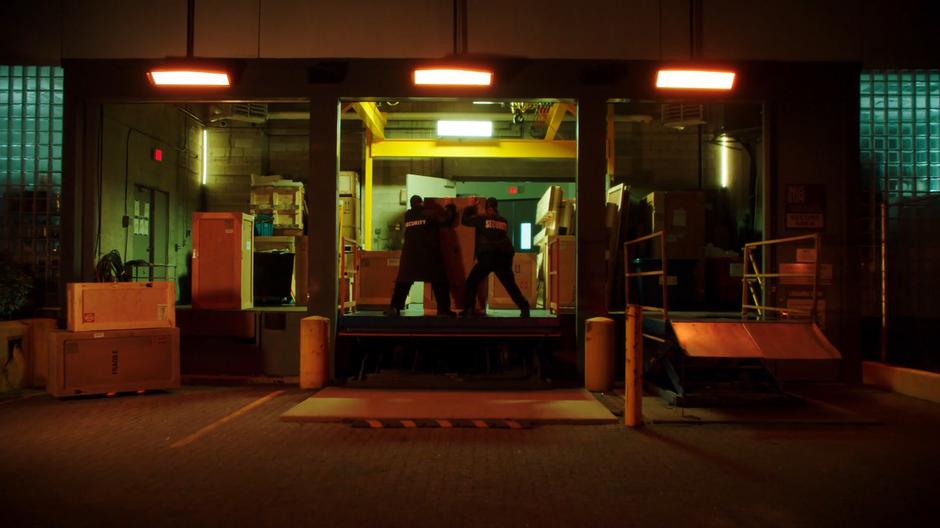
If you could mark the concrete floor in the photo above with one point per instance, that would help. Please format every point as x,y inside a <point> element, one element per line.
<point>168,460</point>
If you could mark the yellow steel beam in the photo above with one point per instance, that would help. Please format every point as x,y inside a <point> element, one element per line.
<point>556,115</point>
<point>367,195</point>
<point>372,117</point>
<point>505,148</point>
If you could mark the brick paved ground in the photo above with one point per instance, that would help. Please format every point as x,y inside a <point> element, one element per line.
<point>107,461</point>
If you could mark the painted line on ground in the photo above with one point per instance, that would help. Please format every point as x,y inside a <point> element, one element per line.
<point>227,418</point>
<point>373,423</point>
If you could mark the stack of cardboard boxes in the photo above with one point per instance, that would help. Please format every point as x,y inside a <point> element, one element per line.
<point>121,337</point>
<point>457,248</point>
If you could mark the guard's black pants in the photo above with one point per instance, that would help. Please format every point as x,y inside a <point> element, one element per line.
<point>501,265</point>
<point>441,295</point>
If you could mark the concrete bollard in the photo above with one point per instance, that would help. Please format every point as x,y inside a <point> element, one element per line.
<point>633,381</point>
<point>599,354</point>
<point>314,352</point>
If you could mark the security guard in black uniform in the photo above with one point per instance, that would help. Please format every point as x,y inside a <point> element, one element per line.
<point>494,253</point>
<point>421,258</point>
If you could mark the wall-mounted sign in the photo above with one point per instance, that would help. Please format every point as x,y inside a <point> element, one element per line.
<point>805,221</point>
<point>806,206</point>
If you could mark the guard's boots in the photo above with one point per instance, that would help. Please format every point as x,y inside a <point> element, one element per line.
<point>524,312</point>
<point>391,311</point>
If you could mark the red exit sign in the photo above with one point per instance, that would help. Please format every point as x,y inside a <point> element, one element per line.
<point>157,154</point>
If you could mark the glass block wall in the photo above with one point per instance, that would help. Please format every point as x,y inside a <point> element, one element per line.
<point>31,171</point>
<point>900,131</point>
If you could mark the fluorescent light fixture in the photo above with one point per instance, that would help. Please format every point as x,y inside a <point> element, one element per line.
<point>188,78</point>
<point>525,235</point>
<point>695,79</point>
<point>452,77</point>
<point>485,102</point>
<point>723,160</point>
<point>465,128</point>
<point>205,156</point>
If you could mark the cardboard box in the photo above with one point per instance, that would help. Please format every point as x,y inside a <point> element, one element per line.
<point>457,250</point>
<point>260,180</point>
<point>349,221</point>
<point>682,215</point>
<point>82,363</point>
<point>120,305</point>
<point>562,273</point>
<point>223,261</point>
<point>348,183</point>
<point>524,267</point>
<point>549,204</point>
<point>376,279</point>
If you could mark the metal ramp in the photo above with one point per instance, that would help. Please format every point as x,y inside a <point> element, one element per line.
<point>703,358</point>
<point>772,340</point>
<point>701,362</point>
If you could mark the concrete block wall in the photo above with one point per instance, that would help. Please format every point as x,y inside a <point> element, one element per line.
<point>235,153</point>
<point>130,133</point>
<point>653,157</point>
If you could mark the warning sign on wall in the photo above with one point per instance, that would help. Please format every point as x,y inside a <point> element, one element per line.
<point>806,206</point>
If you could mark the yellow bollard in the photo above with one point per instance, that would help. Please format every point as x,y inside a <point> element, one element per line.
<point>314,352</point>
<point>633,397</point>
<point>598,354</point>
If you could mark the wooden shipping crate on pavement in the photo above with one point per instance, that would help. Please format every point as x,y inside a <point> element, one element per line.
<point>101,362</point>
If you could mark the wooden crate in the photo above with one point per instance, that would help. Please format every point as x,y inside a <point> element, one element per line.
<point>562,273</point>
<point>101,362</point>
<point>525,270</point>
<point>120,305</point>
<point>376,279</point>
<point>223,261</point>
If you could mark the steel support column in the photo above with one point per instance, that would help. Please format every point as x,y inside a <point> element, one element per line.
<point>592,234</point>
<point>323,221</point>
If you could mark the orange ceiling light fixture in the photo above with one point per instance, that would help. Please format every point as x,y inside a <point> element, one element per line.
<point>452,77</point>
<point>687,79</point>
<point>189,77</point>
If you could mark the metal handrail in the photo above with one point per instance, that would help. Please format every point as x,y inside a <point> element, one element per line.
<point>663,272</point>
<point>759,277</point>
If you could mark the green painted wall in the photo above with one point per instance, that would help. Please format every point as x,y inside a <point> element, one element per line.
<point>129,134</point>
